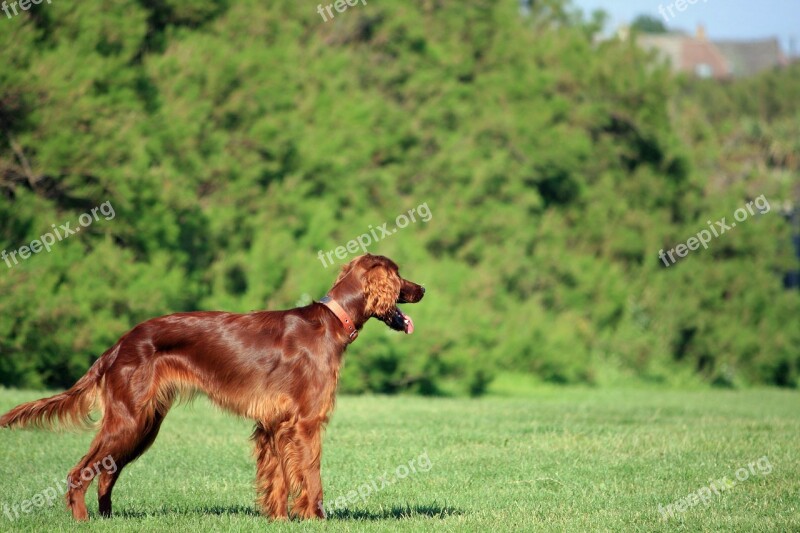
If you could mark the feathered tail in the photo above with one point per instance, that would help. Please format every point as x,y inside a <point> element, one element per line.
<point>71,408</point>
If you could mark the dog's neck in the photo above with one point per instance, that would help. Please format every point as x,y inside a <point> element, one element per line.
<point>348,295</point>
<point>342,315</point>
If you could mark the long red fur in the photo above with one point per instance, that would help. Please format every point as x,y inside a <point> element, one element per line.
<point>278,368</point>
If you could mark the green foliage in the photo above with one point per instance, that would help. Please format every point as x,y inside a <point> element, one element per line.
<point>235,140</point>
<point>648,24</point>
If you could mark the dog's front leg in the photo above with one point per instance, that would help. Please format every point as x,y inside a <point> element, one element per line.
<point>308,449</point>
<point>271,483</point>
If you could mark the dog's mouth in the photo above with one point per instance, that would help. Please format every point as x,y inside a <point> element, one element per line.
<point>399,321</point>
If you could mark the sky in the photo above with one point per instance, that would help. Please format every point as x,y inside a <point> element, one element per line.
<point>723,19</point>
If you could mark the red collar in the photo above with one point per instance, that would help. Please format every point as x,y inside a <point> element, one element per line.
<point>342,315</point>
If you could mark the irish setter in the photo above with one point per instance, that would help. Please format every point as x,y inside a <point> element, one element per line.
<point>279,368</point>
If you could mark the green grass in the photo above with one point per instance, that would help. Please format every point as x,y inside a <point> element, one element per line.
<point>557,459</point>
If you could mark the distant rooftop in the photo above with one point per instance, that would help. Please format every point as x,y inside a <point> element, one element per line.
<point>747,58</point>
<point>715,59</point>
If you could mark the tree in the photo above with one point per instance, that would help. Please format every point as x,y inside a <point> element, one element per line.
<point>648,24</point>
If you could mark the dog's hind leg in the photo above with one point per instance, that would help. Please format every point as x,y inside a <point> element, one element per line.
<point>122,456</point>
<point>120,441</point>
<point>80,477</point>
<point>131,420</point>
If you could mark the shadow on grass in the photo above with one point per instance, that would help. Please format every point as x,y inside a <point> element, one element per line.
<point>241,510</point>
<point>395,513</point>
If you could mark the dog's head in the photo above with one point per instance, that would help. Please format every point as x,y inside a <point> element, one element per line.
<point>382,287</point>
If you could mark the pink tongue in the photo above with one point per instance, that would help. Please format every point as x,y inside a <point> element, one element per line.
<point>409,323</point>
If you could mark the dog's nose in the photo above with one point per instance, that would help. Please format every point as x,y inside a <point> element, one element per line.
<point>423,289</point>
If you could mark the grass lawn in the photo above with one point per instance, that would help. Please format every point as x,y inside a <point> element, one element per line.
<point>556,459</point>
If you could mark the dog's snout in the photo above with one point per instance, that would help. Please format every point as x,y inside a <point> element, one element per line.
<point>411,293</point>
<point>419,293</point>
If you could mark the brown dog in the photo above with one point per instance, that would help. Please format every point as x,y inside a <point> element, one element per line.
<point>279,368</point>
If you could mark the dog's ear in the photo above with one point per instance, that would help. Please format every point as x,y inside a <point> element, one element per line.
<point>345,271</point>
<point>382,288</point>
